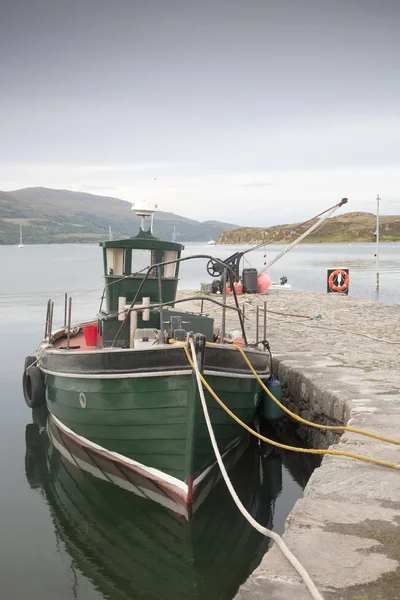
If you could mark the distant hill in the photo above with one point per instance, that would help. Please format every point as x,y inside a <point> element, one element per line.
<point>59,216</point>
<point>350,227</point>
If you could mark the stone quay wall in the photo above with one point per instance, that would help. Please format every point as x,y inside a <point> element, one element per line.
<point>338,359</point>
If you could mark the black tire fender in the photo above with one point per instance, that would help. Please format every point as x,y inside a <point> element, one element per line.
<point>33,386</point>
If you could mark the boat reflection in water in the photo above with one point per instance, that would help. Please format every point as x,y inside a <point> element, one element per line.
<point>131,546</point>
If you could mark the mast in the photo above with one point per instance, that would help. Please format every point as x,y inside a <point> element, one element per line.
<point>110,235</point>
<point>377,241</point>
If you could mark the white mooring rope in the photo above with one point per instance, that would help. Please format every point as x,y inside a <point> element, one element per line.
<point>267,532</point>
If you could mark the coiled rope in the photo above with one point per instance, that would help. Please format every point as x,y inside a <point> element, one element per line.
<point>267,532</point>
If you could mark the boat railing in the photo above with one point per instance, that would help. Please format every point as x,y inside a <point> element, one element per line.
<point>227,271</point>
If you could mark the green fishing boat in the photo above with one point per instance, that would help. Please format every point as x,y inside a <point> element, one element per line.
<point>128,547</point>
<point>121,386</point>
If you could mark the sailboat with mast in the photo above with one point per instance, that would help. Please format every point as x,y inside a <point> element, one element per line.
<point>20,245</point>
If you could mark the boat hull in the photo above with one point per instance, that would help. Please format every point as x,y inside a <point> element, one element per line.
<point>129,547</point>
<point>153,421</point>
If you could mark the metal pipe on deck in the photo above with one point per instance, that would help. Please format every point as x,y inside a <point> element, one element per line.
<point>121,308</point>
<point>241,317</point>
<point>51,319</point>
<point>223,323</point>
<point>132,328</point>
<point>65,308</point>
<point>257,321</point>
<point>46,326</point>
<point>162,339</point>
<point>265,321</point>
<point>69,322</point>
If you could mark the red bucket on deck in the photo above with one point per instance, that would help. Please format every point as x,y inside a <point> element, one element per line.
<point>90,333</point>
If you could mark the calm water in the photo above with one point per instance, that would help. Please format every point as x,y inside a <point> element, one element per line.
<point>66,534</point>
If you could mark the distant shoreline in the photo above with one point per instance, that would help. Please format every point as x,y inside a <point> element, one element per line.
<point>203,243</point>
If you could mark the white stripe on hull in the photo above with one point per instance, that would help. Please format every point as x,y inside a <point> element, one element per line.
<point>229,375</point>
<point>117,375</point>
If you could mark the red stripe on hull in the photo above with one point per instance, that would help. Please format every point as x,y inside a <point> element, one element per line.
<point>189,498</point>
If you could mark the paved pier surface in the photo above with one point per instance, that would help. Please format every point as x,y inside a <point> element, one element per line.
<point>341,358</point>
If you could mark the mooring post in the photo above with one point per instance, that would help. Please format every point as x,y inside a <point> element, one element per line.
<point>201,307</point>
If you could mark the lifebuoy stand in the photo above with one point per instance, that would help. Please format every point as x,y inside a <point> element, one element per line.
<point>337,281</point>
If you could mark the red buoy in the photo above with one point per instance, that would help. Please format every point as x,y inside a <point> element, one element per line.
<point>263,282</point>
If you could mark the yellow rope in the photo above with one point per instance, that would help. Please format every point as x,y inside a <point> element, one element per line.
<point>284,446</point>
<point>301,420</point>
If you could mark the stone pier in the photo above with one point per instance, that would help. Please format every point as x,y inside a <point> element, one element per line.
<point>338,359</point>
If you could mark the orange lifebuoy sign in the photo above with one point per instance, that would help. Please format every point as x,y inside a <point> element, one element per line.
<point>338,280</point>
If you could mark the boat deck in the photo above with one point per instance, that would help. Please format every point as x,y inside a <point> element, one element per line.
<point>78,343</point>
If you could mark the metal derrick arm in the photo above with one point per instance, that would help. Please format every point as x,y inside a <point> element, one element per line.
<point>234,261</point>
<point>322,218</point>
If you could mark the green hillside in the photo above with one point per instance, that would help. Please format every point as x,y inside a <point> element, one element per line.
<point>62,216</point>
<point>350,227</point>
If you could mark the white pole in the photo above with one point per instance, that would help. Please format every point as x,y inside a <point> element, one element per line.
<point>377,242</point>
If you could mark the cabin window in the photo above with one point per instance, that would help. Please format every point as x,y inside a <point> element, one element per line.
<point>115,261</point>
<point>142,259</point>
<point>170,270</point>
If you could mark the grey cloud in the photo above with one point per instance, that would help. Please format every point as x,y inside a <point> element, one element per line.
<point>224,85</point>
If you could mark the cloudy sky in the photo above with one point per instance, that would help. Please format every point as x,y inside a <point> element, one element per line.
<point>255,112</point>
